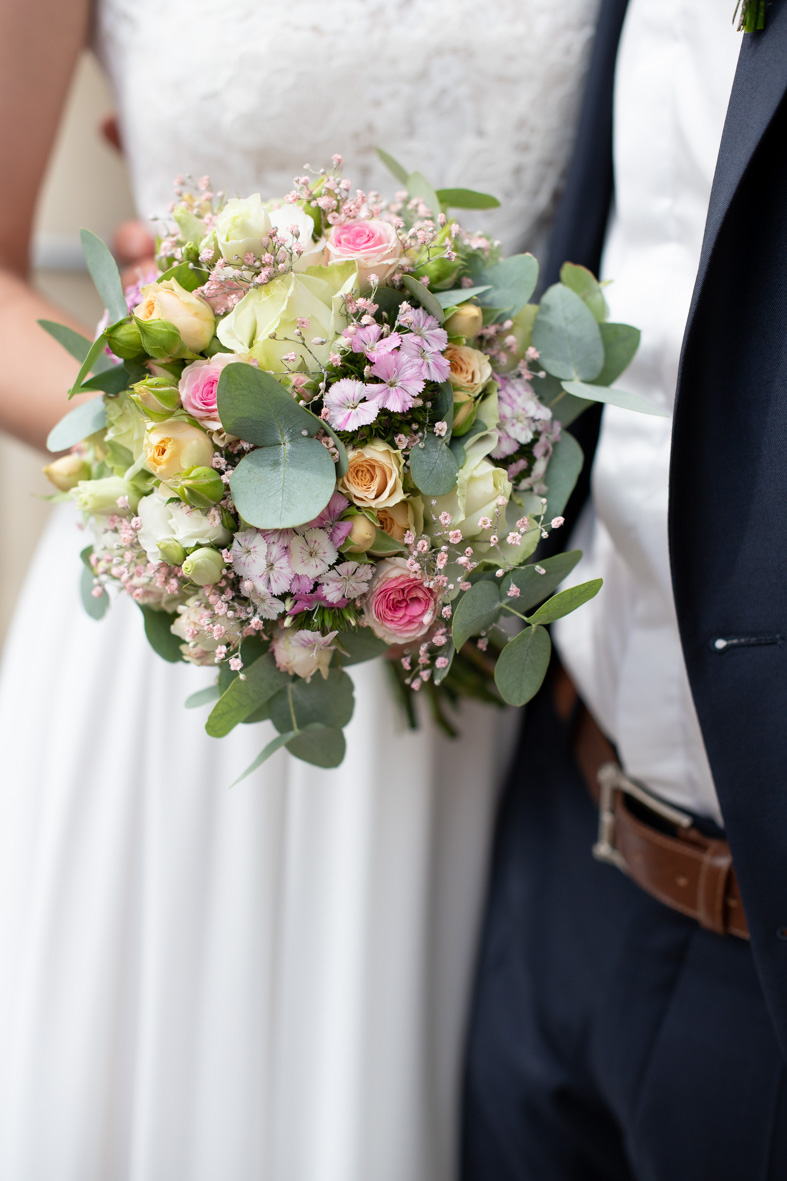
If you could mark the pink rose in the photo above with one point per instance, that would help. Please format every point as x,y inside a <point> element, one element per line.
<point>198,384</point>
<point>399,606</point>
<point>374,245</point>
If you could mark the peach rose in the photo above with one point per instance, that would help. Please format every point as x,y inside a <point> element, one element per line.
<point>173,446</point>
<point>405,515</point>
<point>193,318</point>
<point>470,369</point>
<point>374,475</point>
<point>373,245</point>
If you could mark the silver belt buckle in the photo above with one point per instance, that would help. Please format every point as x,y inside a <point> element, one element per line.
<point>611,779</point>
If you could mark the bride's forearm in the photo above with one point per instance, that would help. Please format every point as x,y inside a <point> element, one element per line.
<point>36,372</point>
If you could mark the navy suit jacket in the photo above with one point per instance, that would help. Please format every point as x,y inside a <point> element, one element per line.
<point>728,477</point>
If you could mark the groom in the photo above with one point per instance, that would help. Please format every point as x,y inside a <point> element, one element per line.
<point>630,1016</point>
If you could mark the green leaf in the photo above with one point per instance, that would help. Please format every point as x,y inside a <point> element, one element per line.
<point>202,697</point>
<point>564,407</point>
<point>340,468</point>
<point>584,283</point>
<point>457,449</point>
<point>158,625</point>
<point>95,607</point>
<point>522,665</point>
<point>359,645</point>
<point>329,702</point>
<point>262,680</point>
<point>467,199</point>
<point>621,342</point>
<point>564,602</point>
<point>90,364</point>
<point>418,186</point>
<point>192,229</point>
<point>75,344</point>
<point>567,336</point>
<point>85,419</point>
<point>562,473</point>
<point>319,745</point>
<point>104,273</point>
<point>111,381</point>
<point>534,587</point>
<point>459,295</point>
<point>421,294</point>
<point>189,277</point>
<point>291,477</point>
<point>613,397</point>
<point>511,283</point>
<point>385,544</point>
<point>393,166</point>
<point>275,744</point>
<point>389,300</point>
<point>443,403</point>
<point>433,466</point>
<point>476,611</point>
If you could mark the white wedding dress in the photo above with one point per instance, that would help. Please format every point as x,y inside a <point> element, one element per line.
<point>266,983</point>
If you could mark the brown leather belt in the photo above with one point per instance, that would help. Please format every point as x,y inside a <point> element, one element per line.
<point>670,858</point>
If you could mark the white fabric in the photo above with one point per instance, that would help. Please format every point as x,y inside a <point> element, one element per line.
<point>267,983</point>
<point>674,75</point>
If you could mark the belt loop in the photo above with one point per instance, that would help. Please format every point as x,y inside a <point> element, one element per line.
<point>712,890</point>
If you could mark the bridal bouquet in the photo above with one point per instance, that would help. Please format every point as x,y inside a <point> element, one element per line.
<point>331,427</point>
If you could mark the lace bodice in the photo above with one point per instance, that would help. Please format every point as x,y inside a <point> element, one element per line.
<point>250,91</point>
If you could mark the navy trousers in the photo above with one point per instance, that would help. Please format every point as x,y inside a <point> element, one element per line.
<point>611,1039</point>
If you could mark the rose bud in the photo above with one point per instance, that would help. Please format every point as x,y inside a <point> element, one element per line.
<point>361,536</point>
<point>67,471</point>
<point>189,314</point>
<point>467,321</point>
<point>204,566</point>
<point>202,487</point>
<point>157,394</point>
<point>171,551</point>
<point>160,338</point>
<point>125,341</point>
<point>173,446</point>
<point>464,412</point>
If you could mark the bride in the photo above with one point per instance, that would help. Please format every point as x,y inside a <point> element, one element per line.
<point>268,982</point>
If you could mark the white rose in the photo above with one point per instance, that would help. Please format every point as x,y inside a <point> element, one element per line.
<point>282,220</point>
<point>161,521</point>
<point>241,226</point>
<point>478,485</point>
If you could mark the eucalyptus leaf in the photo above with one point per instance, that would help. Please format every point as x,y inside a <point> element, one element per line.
<point>389,300</point>
<point>75,344</point>
<point>96,606</point>
<point>565,407</point>
<point>567,336</point>
<point>275,744</point>
<point>621,342</point>
<point>585,284</point>
<point>511,283</point>
<point>319,745</point>
<point>202,697</point>
<point>85,419</point>
<point>105,275</point>
<point>562,473</point>
<point>111,381</point>
<point>613,397</point>
<point>443,404</point>
<point>566,601</point>
<point>421,294</point>
<point>534,587</point>
<point>262,680</point>
<point>466,199</point>
<point>476,611</point>
<point>158,629</point>
<point>393,166</point>
<point>418,186</point>
<point>459,295</point>
<point>359,645</point>
<point>189,277</point>
<point>458,451</point>
<point>329,701</point>
<point>433,466</point>
<point>340,467</point>
<point>449,652</point>
<point>522,665</point>
<point>91,363</point>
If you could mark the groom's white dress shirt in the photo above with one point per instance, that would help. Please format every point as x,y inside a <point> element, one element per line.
<point>674,75</point>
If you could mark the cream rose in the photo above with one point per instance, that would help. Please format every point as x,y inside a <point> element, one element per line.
<point>193,318</point>
<point>398,518</point>
<point>173,446</point>
<point>467,321</point>
<point>303,653</point>
<point>470,369</point>
<point>479,484</point>
<point>241,226</point>
<point>374,475</point>
<point>284,219</point>
<point>373,245</point>
<point>316,295</point>
<point>67,471</point>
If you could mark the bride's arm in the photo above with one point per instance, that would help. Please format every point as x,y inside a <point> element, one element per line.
<point>40,43</point>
